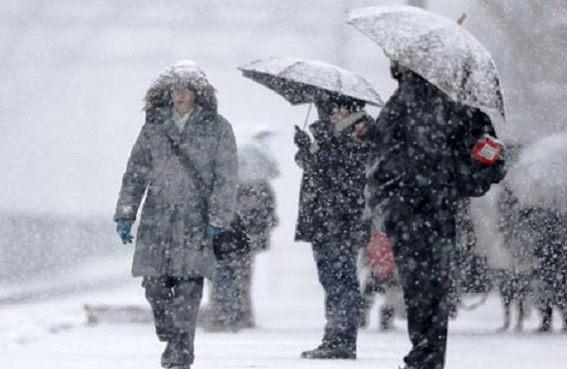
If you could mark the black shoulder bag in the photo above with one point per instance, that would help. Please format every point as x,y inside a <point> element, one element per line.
<point>229,243</point>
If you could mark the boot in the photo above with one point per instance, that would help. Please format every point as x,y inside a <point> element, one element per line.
<point>176,354</point>
<point>545,326</point>
<point>325,351</point>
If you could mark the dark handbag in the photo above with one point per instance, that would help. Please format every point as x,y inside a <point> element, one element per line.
<point>231,242</point>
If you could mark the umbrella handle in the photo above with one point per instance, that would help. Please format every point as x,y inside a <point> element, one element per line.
<point>307,117</point>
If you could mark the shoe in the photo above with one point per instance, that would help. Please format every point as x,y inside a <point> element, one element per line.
<point>329,352</point>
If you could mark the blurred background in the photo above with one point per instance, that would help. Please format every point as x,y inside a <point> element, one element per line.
<point>73,75</point>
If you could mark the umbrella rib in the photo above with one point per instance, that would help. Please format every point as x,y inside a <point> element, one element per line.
<point>288,68</point>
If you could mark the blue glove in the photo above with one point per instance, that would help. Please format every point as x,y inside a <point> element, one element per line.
<point>123,227</point>
<point>212,231</point>
<point>301,139</point>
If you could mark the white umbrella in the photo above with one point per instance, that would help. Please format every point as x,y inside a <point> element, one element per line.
<point>256,163</point>
<point>300,80</point>
<point>539,178</point>
<point>436,48</point>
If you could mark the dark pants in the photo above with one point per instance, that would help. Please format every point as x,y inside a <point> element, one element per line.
<point>422,233</point>
<point>231,300</point>
<point>336,267</point>
<point>175,304</point>
<point>552,289</point>
<point>373,285</point>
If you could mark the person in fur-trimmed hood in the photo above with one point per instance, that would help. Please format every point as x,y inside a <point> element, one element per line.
<point>330,216</point>
<point>185,204</point>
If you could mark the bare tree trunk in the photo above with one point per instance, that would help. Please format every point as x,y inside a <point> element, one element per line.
<point>418,3</point>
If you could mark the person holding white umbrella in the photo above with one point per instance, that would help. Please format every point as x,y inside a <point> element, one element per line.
<point>426,158</point>
<point>331,217</point>
<point>331,201</point>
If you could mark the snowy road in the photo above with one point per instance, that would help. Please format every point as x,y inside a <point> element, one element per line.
<point>53,334</point>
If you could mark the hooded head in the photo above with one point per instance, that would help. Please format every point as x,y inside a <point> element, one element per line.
<point>184,73</point>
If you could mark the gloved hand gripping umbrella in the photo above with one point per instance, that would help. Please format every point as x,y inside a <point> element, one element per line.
<point>436,48</point>
<point>302,81</point>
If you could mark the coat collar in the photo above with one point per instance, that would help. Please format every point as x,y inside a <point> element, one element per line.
<point>171,129</point>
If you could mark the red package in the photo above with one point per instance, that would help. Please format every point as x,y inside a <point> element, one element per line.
<point>380,255</point>
<point>487,149</point>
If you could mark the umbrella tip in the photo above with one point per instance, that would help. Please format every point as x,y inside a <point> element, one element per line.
<point>462,19</point>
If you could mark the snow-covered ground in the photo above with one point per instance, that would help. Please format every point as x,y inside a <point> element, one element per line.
<point>53,333</point>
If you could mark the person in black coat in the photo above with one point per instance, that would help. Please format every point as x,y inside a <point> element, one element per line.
<point>330,216</point>
<point>421,167</point>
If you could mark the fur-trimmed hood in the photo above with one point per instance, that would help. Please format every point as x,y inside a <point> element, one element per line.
<point>186,73</point>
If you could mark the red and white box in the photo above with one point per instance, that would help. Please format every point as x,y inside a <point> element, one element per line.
<point>487,149</point>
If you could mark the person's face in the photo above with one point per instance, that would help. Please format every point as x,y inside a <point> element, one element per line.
<point>183,99</point>
<point>339,113</point>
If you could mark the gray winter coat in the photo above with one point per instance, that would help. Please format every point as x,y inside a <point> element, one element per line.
<point>171,236</point>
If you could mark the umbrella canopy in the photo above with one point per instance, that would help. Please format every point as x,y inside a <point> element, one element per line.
<point>256,163</point>
<point>300,81</point>
<point>436,48</point>
<point>539,178</point>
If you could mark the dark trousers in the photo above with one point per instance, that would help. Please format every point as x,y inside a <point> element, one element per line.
<point>422,233</point>
<point>336,267</point>
<point>231,300</point>
<point>175,304</point>
<point>551,288</point>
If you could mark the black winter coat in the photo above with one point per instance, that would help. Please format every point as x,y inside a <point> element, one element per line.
<point>332,189</point>
<point>421,147</point>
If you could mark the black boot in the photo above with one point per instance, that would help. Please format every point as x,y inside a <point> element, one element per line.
<point>545,326</point>
<point>326,351</point>
<point>176,354</point>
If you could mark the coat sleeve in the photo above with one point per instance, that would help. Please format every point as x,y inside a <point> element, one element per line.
<point>225,179</point>
<point>136,178</point>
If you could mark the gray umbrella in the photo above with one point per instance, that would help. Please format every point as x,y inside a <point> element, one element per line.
<point>539,178</point>
<point>300,81</point>
<point>438,49</point>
